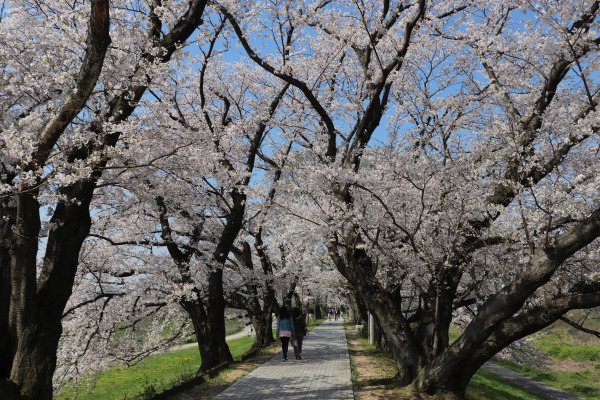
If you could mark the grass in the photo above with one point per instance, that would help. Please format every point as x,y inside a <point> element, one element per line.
<point>154,375</point>
<point>575,363</point>
<point>583,383</point>
<point>561,346</point>
<point>208,390</point>
<point>232,326</point>
<point>372,372</point>
<point>489,386</point>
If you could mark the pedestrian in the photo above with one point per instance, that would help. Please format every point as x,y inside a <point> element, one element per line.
<point>285,329</point>
<point>300,327</point>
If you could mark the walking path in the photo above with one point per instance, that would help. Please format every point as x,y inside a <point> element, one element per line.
<point>247,331</point>
<point>323,373</point>
<point>533,386</point>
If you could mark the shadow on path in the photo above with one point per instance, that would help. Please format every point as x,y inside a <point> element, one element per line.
<point>323,373</point>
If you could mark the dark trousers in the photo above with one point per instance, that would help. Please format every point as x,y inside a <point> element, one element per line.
<point>298,348</point>
<point>285,341</point>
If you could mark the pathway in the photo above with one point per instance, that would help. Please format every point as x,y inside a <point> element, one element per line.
<point>247,331</point>
<point>533,386</point>
<point>323,373</point>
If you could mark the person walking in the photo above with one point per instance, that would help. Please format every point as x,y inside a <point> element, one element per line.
<point>300,327</point>
<point>285,329</point>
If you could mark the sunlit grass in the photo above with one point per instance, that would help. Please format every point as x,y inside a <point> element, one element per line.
<point>583,383</point>
<point>484,385</point>
<point>154,375</point>
<point>489,386</point>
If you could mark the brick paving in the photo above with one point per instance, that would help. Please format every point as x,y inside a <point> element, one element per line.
<point>322,374</point>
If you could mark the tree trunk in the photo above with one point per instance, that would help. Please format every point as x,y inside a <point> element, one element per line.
<point>213,347</point>
<point>35,359</point>
<point>212,351</point>
<point>318,312</point>
<point>449,382</point>
<point>7,344</point>
<point>262,319</point>
<point>263,332</point>
<point>385,309</point>
<point>359,314</point>
<point>36,305</point>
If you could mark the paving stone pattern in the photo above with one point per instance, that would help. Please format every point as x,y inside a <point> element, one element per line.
<point>323,373</point>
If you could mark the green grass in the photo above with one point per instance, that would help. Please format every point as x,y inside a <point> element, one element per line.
<point>315,322</point>
<point>564,343</point>
<point>581,383</point>
<point>488,386</point>
<point>234,326</point>
<point>154,375</point>
<point>483,386</point>
<point>561,346</point>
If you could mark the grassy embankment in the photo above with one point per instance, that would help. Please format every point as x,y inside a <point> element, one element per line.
<point>573,359</point>
<point>155,374</point>
<point>372,372</point>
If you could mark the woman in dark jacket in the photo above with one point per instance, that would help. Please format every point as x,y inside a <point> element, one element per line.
<point>285,329</point>
<point>300,325</point>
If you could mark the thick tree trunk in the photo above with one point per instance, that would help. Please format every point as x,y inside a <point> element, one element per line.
<point>263,332</point>
<point>386,310</point>
<point>261,323</point>
<point>7,344</point>
<point>212,351</point>
<point>317,310</point>
<point>35,360</point>
<point>261,316</point>
<point>359,311</point>
<point>37,303</point>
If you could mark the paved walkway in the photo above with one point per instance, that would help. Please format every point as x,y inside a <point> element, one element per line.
<point>323,373</point>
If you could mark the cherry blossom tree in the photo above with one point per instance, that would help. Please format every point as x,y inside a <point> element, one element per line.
<point>185,182</point>
<point>479,209</point>
<point>442,153</point>
<point>118,314</point>
<point>64,94</point>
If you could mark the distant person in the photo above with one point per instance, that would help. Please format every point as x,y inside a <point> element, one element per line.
<point>285,329</point>
<point>300,325</point>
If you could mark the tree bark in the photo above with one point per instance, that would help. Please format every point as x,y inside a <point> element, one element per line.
<point>30,319</point>
<point>215,343</point>
<point>262,324</point>
<point>317,310</point>
<point>32,327</point>
<point>212,351</point>
<point>7,343</point>
<point>36,307</point>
